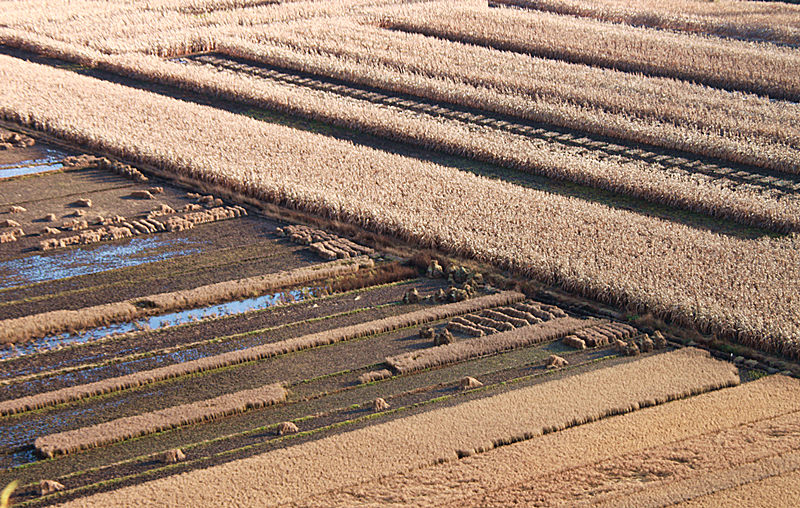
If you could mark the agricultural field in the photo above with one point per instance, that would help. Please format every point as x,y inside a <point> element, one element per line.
<point>399,253</point>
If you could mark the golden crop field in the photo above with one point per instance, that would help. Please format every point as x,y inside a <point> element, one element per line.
<point>399,252</point>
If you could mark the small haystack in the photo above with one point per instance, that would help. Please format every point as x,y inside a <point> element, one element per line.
<point>443,337</point>
<point>556,362</point>
<point>47,487</point>
<point>8,223</point>
<point>380,405</point>
<point>287,428</point>
<point>574,342</point>
<point>141,194</point>
<point>50,217</point>
<point>17,209</point>
<point>411,296</point>
<point>173,456</point>
<point>83,203</point>
<point>469,383</point>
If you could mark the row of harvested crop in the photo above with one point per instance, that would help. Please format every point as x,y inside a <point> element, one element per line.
<point>327,245</point>
<point>47,323</point>
<point>490,344</point>
<point>419,317</point>
<point>503,319</point>
<point>158,421</point>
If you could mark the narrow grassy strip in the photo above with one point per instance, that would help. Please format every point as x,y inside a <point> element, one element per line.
<point>496,343</point>
<point>365,454</point>
<point>484,477</point>
<point>232,358</point>
<point>39,325</point>
<point>732,65</point>
<point>158,421</point>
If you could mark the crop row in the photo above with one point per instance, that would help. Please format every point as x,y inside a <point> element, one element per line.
<point>255,353</point>
<point>39,325</point>
<point>759,21</point>
<point>642,180</point>
<point>686,438</point>
<point>733,65</point>
<point>157,421</point>
<point>742,289</point>
<point>658,111</point>
<point>441,435</point>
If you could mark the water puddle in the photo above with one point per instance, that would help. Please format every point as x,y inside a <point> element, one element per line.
<point>29,170</point>
<point>162,321</point>
<point>87,261</point>
<point>49,161</point>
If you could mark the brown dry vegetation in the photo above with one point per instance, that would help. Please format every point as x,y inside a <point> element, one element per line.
<point>779,490</point>
<point>548,461</point>
<point>255,353</point>
<point>158,421</point>
<point>771,21</point>
<point>39,325</point>
<point>490,344</point>
<point>728,64</point>
<point>741,289</point>
<point>741,128</point>
<point>353,458</point>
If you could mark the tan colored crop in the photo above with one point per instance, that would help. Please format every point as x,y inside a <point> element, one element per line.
<point>738,65</point>
<point>742,289</point>
<point>771,21</point>
<point>39,325</point>
<point>158,421</point>
<point>366,454</point>
<point>255,353</point>
<point>772,491</point>
<point>489,344</point>
<point>581,463</point>
<point>658,111</point>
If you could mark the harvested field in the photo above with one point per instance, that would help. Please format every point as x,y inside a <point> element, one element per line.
<point>485,478</point>
<point>470,425</point>
<point>251,250</point>
<point>158,421</point>
<point>749,312</point>
<point>38,325</point>
<point>255,353</point>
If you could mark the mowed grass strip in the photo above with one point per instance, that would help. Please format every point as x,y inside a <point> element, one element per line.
<point>366,454</point>
<point>157,421</point>
<point>489,344</point>
<point>419,317</point>
<point>39,325</point>
<point>484,478</point>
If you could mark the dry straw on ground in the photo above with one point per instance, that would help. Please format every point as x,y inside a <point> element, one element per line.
<point>39,325</point>
<point>742,289</point>
<point>158,421</point>
<point>255,353</point>
<point>480,346</point>
<point>352,458</point>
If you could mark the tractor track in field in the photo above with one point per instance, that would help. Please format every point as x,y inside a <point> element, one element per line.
<point>689,163</point>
